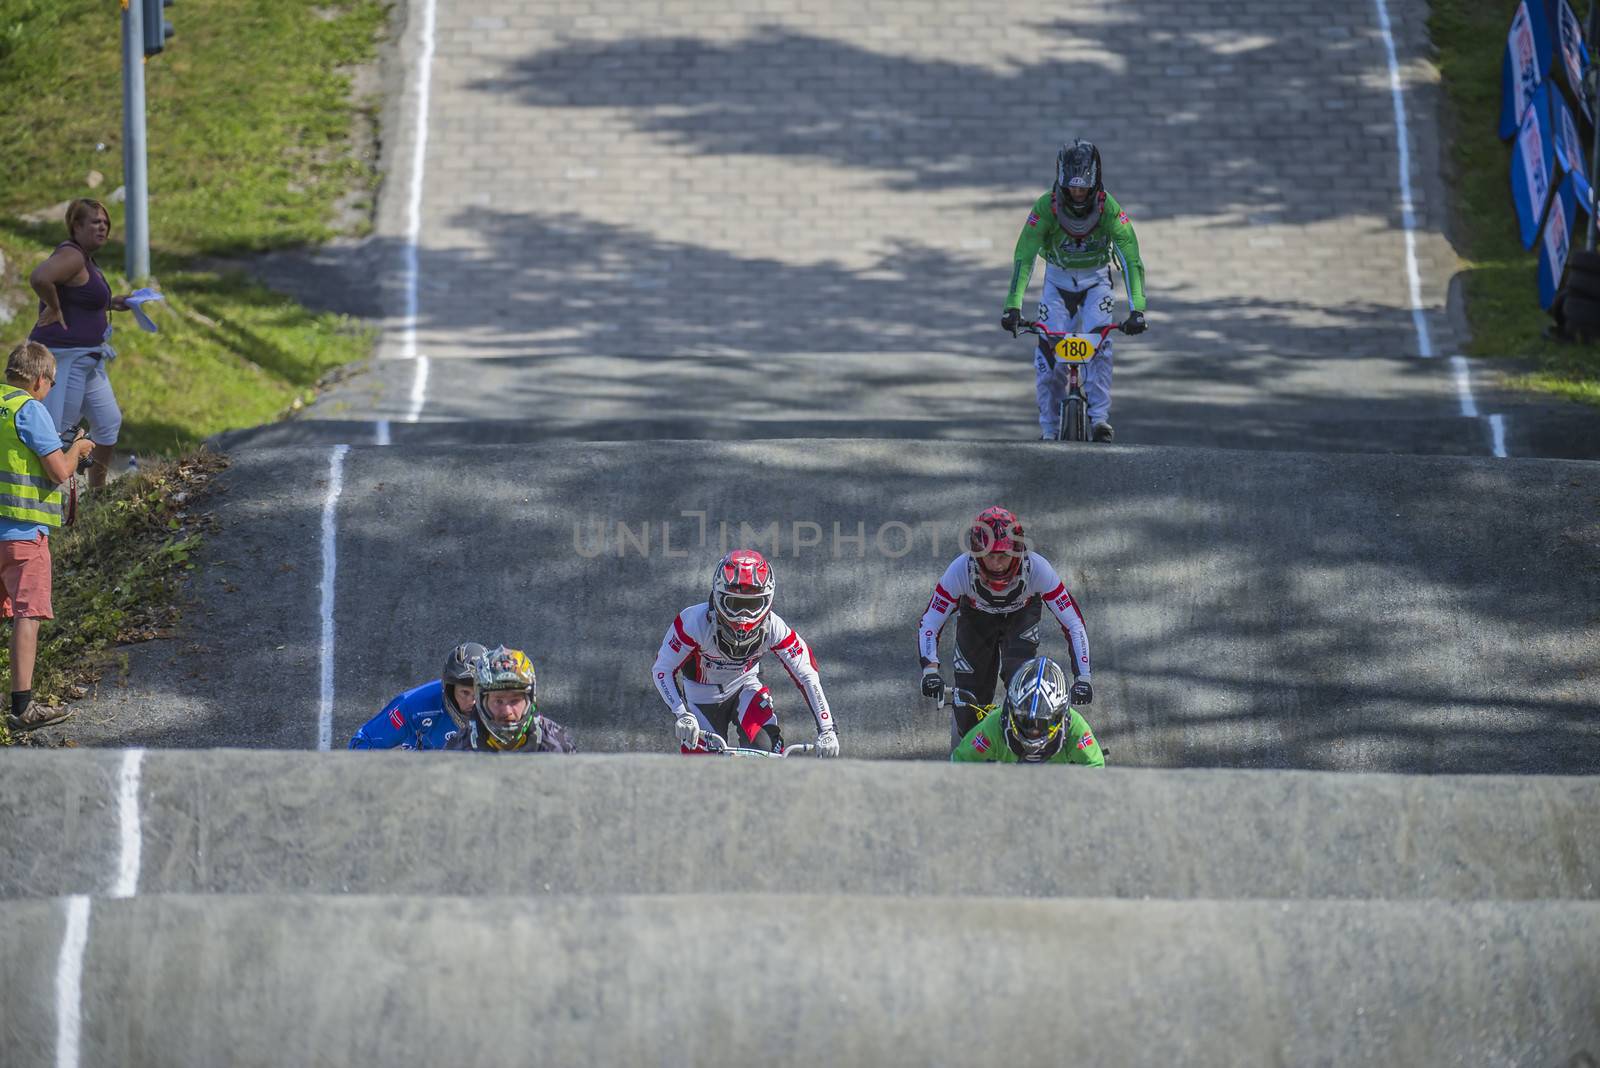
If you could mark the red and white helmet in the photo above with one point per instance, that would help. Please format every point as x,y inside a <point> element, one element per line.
<point>997,545</point>
<point>741,599</point>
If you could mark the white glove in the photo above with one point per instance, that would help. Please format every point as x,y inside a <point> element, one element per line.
<point>688,729</point>
<point>828,743</point>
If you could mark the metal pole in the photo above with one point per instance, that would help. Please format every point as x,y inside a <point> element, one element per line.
<point>136,224</point>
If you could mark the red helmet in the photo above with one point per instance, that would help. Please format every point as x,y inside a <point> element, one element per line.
<point>998,545</point>
<point>741,598</point>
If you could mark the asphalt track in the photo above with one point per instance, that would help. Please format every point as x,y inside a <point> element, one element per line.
<point>1244,608</point>
<point>236,822</point>
<point>793,979</point>
<point>1299,556</point>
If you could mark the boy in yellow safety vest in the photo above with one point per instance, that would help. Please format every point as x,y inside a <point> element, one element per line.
<point>34,466</point>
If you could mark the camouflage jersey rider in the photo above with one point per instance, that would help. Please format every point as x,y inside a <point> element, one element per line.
<point>1078,228</point>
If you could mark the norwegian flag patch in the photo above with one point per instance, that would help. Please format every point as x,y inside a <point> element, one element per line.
<point>1122,217</point>
<point>396,717</point>
<point>981,743</point>
<point>1033,218</point>
<point>1086,741</point>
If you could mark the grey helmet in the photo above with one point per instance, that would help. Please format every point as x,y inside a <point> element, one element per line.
<point>460,669</point>
<point>1078,167</point>
<point>1037,704</point>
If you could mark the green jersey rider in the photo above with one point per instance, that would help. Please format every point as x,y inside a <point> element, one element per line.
<point>1037,725</point>
<point>1077,227</point>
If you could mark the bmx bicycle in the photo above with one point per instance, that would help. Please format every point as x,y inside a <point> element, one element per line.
<point>1075,351</point>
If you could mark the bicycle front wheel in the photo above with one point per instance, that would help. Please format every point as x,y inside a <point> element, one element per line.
<point>1074,419</point>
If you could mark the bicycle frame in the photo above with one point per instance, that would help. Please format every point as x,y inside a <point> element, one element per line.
<point>1073,350</point>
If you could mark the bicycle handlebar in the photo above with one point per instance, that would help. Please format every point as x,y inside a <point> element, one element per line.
<point>1033,326</point>
<point>716,743</point>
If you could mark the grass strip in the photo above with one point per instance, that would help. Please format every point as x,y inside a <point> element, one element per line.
<point>117,572</point>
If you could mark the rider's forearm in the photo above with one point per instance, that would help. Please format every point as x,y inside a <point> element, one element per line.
<point>1021,275</point>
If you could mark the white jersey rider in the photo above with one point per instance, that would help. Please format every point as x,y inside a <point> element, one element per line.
<point>713,651</point>
<point>997,590</point>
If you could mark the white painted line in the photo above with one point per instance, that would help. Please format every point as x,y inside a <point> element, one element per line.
<point>419,151</point>
<point>1497,427</point>
<point>1469,406</point>
<point>419,390</point>
<point>127,883</point>
<point>330,505</point>
<point>69,982</point>
<point>380,432</point>
<point>1408,214</point>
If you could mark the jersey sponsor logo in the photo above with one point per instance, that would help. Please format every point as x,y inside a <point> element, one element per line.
<point>981,743</point>
<point>823,716</point>
<point>1086,741</point>
<point>1033,218</point>
<point>397,717</point>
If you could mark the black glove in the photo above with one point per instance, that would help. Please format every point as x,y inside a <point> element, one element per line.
<point>932,683</point>
<point>1135,324</point>
<point>1009,319</point>
<point>1082,692</point>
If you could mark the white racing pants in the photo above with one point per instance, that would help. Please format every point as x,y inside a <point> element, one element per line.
<point>750,707</point>
<point>1074,302</point>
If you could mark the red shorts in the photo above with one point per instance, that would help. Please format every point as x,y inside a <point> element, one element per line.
<point>25,578</point>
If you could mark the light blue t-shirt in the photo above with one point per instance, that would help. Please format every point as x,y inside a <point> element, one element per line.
<point>38,432</point>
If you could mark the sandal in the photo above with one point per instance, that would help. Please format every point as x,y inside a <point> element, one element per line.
<point>37,716</point>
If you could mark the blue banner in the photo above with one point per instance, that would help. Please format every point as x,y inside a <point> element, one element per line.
<point>1527,59</point>
<point>1557,241</point>
<point>1533,166</point>
<point>1574,55</point>
<point>1569,147</point>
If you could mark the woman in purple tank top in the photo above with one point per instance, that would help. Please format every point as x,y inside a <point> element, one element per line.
<point>74,302</point>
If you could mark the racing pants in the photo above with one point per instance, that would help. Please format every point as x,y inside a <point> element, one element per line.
<point>986,643</point>
<point>747,713</point>
<point>1075,302</point>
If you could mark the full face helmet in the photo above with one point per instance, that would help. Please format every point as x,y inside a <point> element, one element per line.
<point>1036,707</point>
<point>1079,190</point>
<point>741,598</point>
<point>460,669</point>
<point>997,546</point>
<point>507,707</point>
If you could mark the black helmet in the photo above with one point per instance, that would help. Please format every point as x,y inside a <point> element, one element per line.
<point>1078,167</point>
<point>460,669</point>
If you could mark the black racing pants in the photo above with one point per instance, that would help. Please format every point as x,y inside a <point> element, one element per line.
<point>990,646</point>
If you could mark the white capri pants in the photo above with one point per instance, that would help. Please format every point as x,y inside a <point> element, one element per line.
<point>83,388</point>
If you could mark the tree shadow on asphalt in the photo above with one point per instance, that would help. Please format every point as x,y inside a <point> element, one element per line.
<point>921,123</point>
<point>1359,613</point>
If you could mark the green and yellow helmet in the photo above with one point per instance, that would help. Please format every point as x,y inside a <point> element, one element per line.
<point>503,670</point>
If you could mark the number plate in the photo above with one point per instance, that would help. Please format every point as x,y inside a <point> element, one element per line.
<point>1075,348</point>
